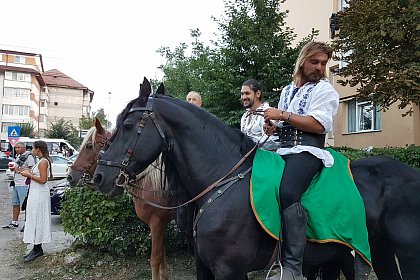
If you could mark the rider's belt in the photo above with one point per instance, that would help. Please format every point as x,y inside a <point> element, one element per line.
<point>290,136</point>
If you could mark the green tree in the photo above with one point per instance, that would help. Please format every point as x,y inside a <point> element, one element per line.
<point>380,42</point>
<point>27,130</point>
<point>64,130</point>
<point>86,122</point>
<point>254,43</point>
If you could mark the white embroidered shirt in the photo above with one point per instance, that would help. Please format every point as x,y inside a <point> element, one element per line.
<point>316,99</point>
<point>253,125</point>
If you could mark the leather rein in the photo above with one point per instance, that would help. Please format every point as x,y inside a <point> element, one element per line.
<point>123,178</point>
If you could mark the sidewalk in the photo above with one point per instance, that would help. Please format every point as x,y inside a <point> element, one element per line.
<point>11,239</point>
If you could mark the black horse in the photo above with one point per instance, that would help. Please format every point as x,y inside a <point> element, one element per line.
<point>229,241</point>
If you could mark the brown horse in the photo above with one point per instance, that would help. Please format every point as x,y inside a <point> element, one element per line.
<point>148,186</point>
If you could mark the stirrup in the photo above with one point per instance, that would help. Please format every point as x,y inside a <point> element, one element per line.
<point>275,264</point>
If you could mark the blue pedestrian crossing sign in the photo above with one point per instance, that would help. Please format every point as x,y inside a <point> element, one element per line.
<point>13,133</point>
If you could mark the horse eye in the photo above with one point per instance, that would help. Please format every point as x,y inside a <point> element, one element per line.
<point>128,126</point>
<point>89,146</point>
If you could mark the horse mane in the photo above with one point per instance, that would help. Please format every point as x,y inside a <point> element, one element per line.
<point>246,143</point>
<point>156,173</point>
<point>90,134</point>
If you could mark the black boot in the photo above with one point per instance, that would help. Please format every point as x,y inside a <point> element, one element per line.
<point>294,238</point>
<point>35,253</point>
<point>294,223</point>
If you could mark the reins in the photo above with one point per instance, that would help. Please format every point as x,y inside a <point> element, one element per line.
<point>217,183</point>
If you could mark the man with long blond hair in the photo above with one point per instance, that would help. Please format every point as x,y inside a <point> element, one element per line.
<point>305,114</point>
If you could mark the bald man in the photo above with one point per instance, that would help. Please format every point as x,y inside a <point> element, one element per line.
<point>194,98</point>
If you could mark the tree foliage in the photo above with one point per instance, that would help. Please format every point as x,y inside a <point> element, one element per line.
<point>380,42</point>
<point>64,130</point>
<point>254,43</point>
<point>27,130</point>
<point>86,122</point>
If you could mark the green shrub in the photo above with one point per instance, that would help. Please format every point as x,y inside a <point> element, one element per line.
<point>409,154</point>
<point>111,224</point>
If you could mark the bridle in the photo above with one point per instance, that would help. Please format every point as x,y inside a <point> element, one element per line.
<point>124,176</point>
<point>90,169</point>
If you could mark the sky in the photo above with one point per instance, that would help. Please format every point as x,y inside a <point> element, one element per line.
<point>106,45</point>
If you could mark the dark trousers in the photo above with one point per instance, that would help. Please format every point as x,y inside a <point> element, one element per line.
<point>298,173</point>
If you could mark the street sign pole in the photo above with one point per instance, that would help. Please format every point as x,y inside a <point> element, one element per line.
<point>13,133</point>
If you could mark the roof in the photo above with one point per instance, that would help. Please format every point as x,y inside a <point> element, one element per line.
<point>55,78</point>
<point>31,71</point>
<point>18,53</point>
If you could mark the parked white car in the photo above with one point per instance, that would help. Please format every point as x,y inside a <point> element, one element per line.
<point>60,167</point>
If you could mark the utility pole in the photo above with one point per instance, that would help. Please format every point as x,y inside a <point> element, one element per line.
<point>109,106</point>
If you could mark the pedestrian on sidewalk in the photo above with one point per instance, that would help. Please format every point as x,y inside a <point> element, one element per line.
<point>38,217</point>
<point>24,161</point>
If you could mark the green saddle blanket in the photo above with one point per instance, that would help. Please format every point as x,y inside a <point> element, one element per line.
<point>336,212</point>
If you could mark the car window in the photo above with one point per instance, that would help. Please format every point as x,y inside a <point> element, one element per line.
<point>59,160</point>
<point>73,157</point>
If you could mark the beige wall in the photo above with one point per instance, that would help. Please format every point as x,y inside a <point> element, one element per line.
<point>307,14</point>
<point>69,105</point>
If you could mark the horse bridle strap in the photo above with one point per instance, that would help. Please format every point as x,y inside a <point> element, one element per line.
<point>147,114</point>
<point>219,182</point>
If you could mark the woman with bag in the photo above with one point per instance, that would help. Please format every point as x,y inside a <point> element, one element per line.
<point>38,218</point>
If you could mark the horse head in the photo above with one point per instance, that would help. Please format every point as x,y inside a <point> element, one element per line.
<point>83,168</point>
<point>138,140</point>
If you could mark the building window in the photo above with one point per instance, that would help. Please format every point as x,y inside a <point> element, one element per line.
<point>43,118</point>
<point>343,4</point>
<point>15,110</point>
<point>42,103</point>
<point>21,93</point>
<point>17,76</point>
<point>85,111</point>
<point>55,103</point>
<point>363,116</point>
<point>19,59</point>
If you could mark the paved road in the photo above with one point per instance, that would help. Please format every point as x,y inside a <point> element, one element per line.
<point>11,239</point>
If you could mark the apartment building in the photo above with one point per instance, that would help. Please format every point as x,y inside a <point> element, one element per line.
<point>68,98</point>
<point>21,85</point>
<point>357,124</point>
<point>30,95</point>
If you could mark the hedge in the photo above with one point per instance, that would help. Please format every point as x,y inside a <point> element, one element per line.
<point>111,224</point>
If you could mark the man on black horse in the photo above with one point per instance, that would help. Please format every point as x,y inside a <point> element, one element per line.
<point>252,121</point>
<point>305,114</point>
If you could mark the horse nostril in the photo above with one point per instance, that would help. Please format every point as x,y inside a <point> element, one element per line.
<point>69,178</point>
<point>97,179</point>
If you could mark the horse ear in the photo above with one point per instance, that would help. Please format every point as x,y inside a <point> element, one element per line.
<point>145,90</point>
<point>98,125</point>
<point>161,89</point>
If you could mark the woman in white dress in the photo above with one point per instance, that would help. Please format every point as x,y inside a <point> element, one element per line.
<point>38,209</point>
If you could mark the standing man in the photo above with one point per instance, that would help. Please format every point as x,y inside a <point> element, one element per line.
<point>252,121</point>
<point>194,97</point>
<point>305,113</point>
<point>24,161</point>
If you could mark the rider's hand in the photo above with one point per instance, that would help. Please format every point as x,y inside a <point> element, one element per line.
<point>269,128</point>
<point>272,114</point>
